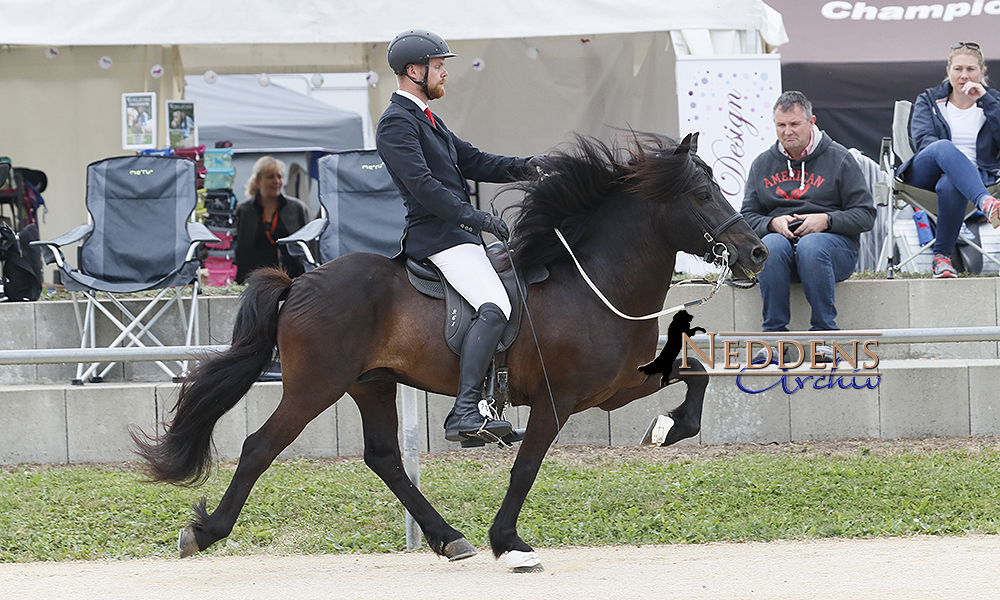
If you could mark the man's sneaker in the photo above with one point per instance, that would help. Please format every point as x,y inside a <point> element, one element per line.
<point>942,267</point>
<point>824,354</point>
<point>760,357</point>
<point>991,208</point>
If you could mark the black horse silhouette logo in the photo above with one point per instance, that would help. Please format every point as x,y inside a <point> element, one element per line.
<point>663,363</point>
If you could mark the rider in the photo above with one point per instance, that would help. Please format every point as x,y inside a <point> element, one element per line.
<point>430,165</point>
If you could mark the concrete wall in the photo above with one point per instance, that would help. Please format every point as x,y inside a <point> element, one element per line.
<point>862,304</point>
<point>950,397</point>
<point>925,389</point>
<point>53,324</point>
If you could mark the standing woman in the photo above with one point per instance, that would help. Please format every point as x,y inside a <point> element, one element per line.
<point>955,129</point>
<point>265,217</point>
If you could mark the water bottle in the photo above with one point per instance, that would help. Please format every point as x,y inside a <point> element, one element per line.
<point>924,232</point>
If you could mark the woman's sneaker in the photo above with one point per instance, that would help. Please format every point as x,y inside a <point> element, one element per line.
<point>991,208</point>
<point>942,267</point>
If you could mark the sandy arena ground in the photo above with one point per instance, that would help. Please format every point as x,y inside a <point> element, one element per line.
<point>889,568</point>
<point>882,569</point>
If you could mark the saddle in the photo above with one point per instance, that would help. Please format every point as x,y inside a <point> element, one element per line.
<point>427,279</point>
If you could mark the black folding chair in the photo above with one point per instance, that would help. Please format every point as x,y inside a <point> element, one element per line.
<point>139,237</point>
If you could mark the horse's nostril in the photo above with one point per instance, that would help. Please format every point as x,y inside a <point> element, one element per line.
<point>760,253</point>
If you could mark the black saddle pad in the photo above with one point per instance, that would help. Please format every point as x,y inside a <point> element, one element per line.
<point>427,279</point>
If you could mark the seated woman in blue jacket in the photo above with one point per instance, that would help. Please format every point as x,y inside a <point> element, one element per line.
<point>955,129</point>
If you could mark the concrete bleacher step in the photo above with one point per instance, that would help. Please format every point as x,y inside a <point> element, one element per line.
<point>912,399</point>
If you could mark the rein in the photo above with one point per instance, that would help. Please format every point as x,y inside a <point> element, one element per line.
<point>720,259</point>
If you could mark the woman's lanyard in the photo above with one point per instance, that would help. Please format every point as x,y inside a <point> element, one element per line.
<point>270,227</point>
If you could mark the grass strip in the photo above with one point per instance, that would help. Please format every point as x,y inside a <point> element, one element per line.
<point>338,506</point>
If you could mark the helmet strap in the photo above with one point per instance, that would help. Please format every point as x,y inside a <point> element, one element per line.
<point>422,84</point>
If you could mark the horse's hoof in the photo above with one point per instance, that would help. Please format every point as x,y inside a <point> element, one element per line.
<point>535,569</point>
<point>680,431</point>
<point>186,544</point>
<point>657,432</point>
<point>459,549</point>
<point>524,562</point>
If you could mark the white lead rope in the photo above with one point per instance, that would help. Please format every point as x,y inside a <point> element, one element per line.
<point>579,267</point>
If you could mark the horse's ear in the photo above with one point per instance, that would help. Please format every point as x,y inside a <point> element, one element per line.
<point>689,143</point>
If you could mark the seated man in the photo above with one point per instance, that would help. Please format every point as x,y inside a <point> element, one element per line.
<point>808,200</point>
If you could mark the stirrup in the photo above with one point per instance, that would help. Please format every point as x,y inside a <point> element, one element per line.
<point>482,432</point>
<point>507,441</point>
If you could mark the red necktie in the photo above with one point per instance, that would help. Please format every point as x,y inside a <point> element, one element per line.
<point>427,112</point>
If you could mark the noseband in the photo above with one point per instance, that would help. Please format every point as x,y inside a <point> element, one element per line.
<point>717,250</point>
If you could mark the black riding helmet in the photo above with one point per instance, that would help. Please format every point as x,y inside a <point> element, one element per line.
<point>416,46</point>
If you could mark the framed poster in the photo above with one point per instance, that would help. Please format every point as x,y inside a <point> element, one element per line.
<point>139,121</point>
<point>182,130</point>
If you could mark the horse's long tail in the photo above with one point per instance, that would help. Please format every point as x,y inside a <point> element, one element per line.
<point>183,454</point>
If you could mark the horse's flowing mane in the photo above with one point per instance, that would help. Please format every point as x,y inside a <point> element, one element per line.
<point>580,179</point>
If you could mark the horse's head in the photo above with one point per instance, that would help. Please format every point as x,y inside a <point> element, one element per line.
<point>707,225</point>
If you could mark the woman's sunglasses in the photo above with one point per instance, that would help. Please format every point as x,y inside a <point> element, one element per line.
<point>972,45</point>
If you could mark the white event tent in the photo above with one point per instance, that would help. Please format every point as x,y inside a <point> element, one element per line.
<point>528,74</point>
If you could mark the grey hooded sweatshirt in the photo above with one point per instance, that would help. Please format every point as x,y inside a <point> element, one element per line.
<point>827,180</point>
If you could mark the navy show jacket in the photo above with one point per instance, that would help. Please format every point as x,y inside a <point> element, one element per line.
<point>431,167</point>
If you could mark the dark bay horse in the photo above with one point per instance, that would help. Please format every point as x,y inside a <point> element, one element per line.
<point>357,325</point>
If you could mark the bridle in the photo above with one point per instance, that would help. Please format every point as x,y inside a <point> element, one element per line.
<point>720,254</point>
<point>711,234</point>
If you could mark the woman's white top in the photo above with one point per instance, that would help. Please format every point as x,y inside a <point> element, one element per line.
<point>965,125</point>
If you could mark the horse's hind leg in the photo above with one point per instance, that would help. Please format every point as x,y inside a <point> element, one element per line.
<point>377,402</point>
<point>260,449</point>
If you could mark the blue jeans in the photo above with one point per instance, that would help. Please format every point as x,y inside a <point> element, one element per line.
<point>943,168</point>
<point>818,261</point>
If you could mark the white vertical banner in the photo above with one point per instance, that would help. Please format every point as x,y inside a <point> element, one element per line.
<point>728,99</point>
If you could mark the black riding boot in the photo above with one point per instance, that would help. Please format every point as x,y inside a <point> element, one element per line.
<point>464,421</point>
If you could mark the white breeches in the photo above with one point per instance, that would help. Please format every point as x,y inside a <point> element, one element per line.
<point>469,271</point>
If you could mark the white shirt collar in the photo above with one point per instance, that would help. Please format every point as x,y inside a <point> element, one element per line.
<point>420,103</point>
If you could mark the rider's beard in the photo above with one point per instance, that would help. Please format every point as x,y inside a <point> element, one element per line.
<point>436,91</point>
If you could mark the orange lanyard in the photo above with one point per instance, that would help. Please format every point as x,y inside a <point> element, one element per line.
<point>270,227</point>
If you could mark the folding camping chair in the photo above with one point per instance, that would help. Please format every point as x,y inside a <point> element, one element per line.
<point>899,146</point>
<point>138,237</point>
<point>360,211</point>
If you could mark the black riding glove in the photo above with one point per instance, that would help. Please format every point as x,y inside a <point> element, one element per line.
<point>496,226</point>
<point>535,164</point>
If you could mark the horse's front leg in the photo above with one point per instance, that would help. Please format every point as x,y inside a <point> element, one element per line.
<point>377,402</point>
<point>541,431</point>
<point>687,416</point>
